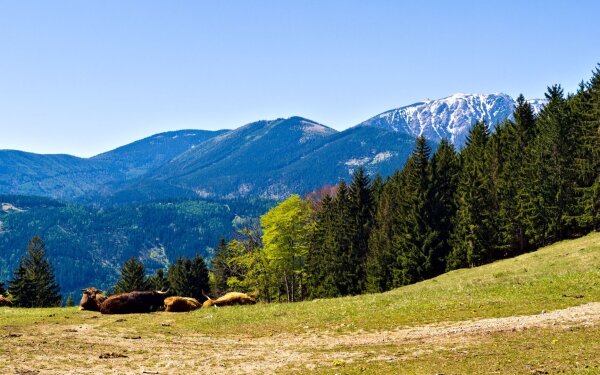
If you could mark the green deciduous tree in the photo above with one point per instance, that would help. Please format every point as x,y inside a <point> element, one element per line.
<point>286,233</point>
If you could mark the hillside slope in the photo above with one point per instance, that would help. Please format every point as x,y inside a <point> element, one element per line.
<point>533,314</point>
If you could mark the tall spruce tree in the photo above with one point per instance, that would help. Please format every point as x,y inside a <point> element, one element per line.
<point>516,140</point>
<point>551,172</point>
<point>133,277</point>
<point>414,240</point>
<point>159,280</point>
<point>442,205</point>
<point>323,262</point>
<point>474,229</point>
<point>381,262</point>
<point>585,111</point>
<point>361,220</point>
<point>189,277</point>
<point>33,283</point>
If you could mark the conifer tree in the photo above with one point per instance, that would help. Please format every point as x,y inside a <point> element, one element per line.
<point>442,205</point>
<point>159,280</point>
<point>189,277</point>
<point>133,277</point>
<point>513,179</point>
<point>323,262</point>
<point>415,238</point>
<point>361,220</point>
<point>346,279</point>
<point>381,261</point>
<point>585,111</point>
<point>2,289</point>
<point>33,283</point>
<point>474,229</point>
<point>69,302</point>
<point>551,172</point>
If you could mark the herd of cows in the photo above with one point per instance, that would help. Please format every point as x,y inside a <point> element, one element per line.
<point>148,301</point>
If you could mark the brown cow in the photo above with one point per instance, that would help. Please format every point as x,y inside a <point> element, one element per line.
<point>230,299</point>
<point>181,304</point>
<point>133,302</point>
<point>91,299</point>
<point>5,302</point>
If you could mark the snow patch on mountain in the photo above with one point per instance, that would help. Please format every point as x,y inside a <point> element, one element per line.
<point>450,117</point>
<point>370,160</point>
<point>382,156</point>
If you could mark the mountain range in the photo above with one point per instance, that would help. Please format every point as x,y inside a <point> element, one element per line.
<point>269,159</point>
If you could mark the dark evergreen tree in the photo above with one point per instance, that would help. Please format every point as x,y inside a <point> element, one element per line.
<point>33,283</point>
<point>381,261</point>
<point>159,280</point>
<point>551,173</point>
<point>513,179</point>
<point>345,279</point>
<point>220,269</point>
<point>474,229</point>
<point>377,188</point>
<point>133,277</point>
<point>585,112</point>
<point>442,205</point>
<point>2,289</point>
<point>361,220</point>
<point>70,302</point>
<point>323,262</point>
<point>189,277</point>
<point>414,239</point>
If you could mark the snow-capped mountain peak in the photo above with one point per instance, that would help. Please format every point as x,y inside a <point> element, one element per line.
<point>449,117</point>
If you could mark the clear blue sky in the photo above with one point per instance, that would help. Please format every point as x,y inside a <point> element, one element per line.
<point>82,77</point>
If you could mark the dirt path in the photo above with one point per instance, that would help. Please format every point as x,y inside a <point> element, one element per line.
<point>57,349</point>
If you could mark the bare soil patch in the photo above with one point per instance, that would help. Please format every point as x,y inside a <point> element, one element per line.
<point>96,347</point>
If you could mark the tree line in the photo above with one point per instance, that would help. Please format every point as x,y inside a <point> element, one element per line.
<point>533,181</point>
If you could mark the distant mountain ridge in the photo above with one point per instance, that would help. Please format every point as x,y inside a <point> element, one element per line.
<point>449,117</point>
<point>269,158</point>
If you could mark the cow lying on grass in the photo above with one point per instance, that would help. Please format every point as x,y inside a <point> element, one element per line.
<point>91,299</point>
<point>230,299</point>
<point>133,302</point>
<point>5,302</point>
<point>181,304</point>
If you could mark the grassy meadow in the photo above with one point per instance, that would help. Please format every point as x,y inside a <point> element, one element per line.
<point>344,335</point>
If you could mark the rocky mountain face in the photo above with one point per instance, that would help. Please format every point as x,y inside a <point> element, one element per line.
<point>450,117</point>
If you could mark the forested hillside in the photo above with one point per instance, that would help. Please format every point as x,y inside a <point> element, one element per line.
<point>87,246</point>
<point>532,182</point>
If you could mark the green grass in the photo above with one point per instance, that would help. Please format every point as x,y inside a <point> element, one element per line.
<point>548,279</point>
<point>562,275</point>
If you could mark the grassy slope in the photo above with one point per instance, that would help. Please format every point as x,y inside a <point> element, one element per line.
<point>562,275</point>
